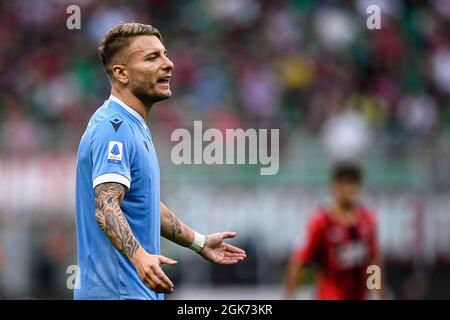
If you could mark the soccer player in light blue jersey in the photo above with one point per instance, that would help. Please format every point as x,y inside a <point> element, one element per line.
<point>119,215</point>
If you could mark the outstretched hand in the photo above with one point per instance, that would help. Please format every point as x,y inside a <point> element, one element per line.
<point>217,251</point>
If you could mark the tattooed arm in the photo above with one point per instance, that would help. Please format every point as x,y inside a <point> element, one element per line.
<point>109,216</point>
<point>173,229</point>
<point>214,250</point>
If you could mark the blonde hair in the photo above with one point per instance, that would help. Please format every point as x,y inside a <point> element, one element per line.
<point>118,38</point>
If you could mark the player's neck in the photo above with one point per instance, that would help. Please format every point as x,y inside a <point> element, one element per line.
<point>133,102</point>
<point>343,214</point>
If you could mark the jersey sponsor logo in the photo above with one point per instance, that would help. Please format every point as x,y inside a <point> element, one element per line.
<point>352,254</point>
<point>115,150</point>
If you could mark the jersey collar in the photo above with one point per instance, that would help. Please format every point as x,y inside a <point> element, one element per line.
<point>127,108</point>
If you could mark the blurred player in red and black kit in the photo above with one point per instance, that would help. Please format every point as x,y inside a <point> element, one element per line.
<point>341,238</point>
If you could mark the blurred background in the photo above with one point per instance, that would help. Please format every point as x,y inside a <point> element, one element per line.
<point>334,88</point>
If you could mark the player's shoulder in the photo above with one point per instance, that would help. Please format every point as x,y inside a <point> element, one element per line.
<point>319,218</point>
<point>110,122</point>
<point>366,213</point>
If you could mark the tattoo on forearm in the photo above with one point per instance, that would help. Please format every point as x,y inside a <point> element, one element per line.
<point>109,216</point>
<point>175,224</point>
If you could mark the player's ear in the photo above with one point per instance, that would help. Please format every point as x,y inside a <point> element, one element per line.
<point>119,73</point>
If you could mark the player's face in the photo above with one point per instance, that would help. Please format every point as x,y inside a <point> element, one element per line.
<point>346,193</point>
<point>149,69</point>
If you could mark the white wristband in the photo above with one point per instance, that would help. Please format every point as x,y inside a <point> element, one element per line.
<point>198,243</point>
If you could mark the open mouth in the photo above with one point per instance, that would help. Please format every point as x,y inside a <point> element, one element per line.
<point>164,80</point>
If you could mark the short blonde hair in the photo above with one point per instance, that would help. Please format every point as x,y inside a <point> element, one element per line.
<point>118,38</point>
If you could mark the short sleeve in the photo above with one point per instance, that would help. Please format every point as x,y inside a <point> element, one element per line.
<point>111,151</point>
<point>306,250</point>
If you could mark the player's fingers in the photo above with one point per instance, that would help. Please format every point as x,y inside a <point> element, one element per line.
<point>234,249</point>
<point>159,285</point>
<point>162,277</point>
<point>238,256</point>
<point>151,281</point>
<point>165,260</point>
<point>234,254</point>
<point>148,281</point>
<point>229,261</point>
<point>239,259</point>
<point>228,235</point>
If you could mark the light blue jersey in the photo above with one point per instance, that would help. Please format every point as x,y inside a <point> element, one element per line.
<point>116,147</point>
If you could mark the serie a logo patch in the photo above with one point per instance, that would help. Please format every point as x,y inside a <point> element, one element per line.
<point>115,150</point>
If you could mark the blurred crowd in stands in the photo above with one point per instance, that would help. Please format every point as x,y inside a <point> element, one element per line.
<point>287,64</point>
